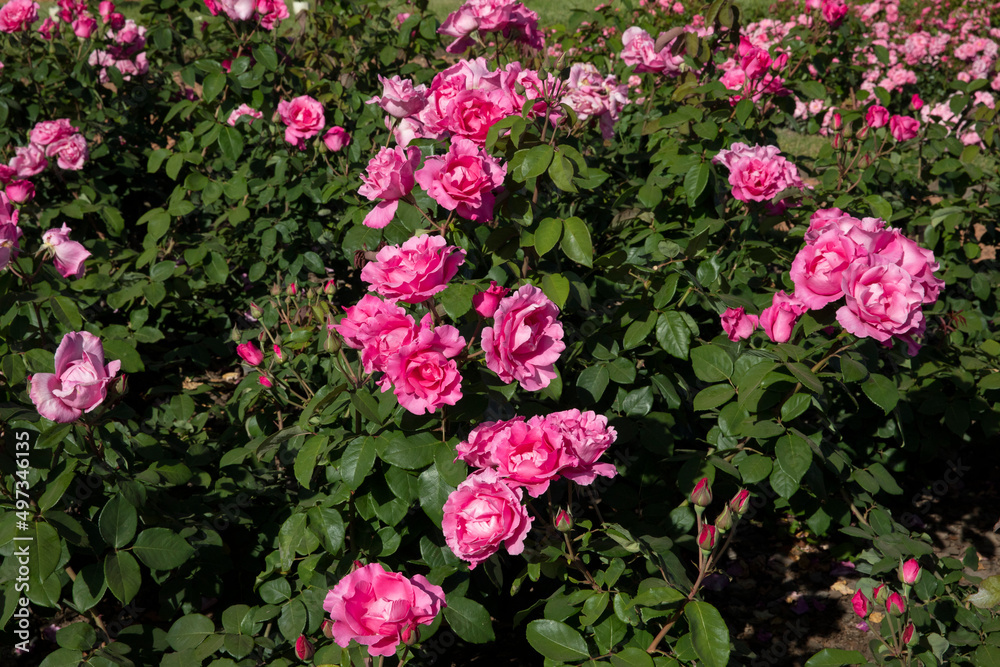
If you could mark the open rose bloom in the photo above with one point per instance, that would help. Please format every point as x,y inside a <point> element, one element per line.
<point>423,372</point>
<point>482,514</point>
<point>69,256</point>
<point>758,173</point>
<point>525,340</point>
<point>303,117</point>
<point>80,382</point>
<point>415,271</point>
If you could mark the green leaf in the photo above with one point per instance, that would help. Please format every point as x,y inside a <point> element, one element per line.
<point>754,468</point>
<point>213,85</point>
<point>576,241</point>
<point>63,657</point>
<point>561,173</point>
<point>795,406</point>
<point>710,636</point>
<point>357,461</point>
<point>882,391</point>
<point>805,376</point>
<point>161,549</point>
<point>813,90</point>
<point>836,657</point>
<point>122,574</point>
<point>305,459</point>
<point>556,287</point>
<point>80,636</point>
<point>988,595</point>
<point>468,619</point>
<point>713,396</point>
<point>531,162</point>
<point>557,641</point>
<point>593,381</point>
<point>637,332</point>
<point>189,631</point>
<point>328,524</point>
<point>885,479</point>
<point>711,363</point>
<point>794,456</point>
<point>266,55</point>
<point>879,206</point>
<point>89,586</point>
<point>118,522</point>
<point>433,492</point>
<point>124,351</point>
<point>411,453</point>
<point>216,268</point>
<point>695,181</point>
<point>547,235</point>
<point>231,143</point>
<point>673,334</point>
<point>66,312</point>
<point>632,656</point>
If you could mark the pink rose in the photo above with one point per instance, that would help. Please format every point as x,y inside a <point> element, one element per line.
<point>882,300</point>
<point>860,604</point>
<point>532,454</point>
<point>525,340</point>
<point>48,29</point>
<point>50,131</point>
<point>755,62</point>
<point>757,173</point>
<point>239,10</point>
<point>737,324</point>
<point>70,152</point>
<point>381,609</point>
<point>877,116</point>
<point>400,98</point>
<point>478,449</point>
<point>80,382</point>
<point>471,113</point>
<point>463,180</point>
<point>915,102</point>
<point>304,118</point>
<point>336,138</point>
<point>389,177</point>
<point>423,373</point>
<point>780,317</point>
<point>834,11</point>
<point>84,26</point>
<point>10,233</point>
<point>69,256</point>
<point>211,5</point>
<point>823,218</point>
<point>20,192</point>
<point>270,13</point>
<point>586,436</point>
<point>486,302</point>
<point>243,110</point>
<point>28,161</point>
<point>903,127</point>
<point>357,316</point>
<point>482,514</point>
<point>106,8</point>
<point>18,15</point>
<point>415,271</point>
<point>891,245</point>
<point>250,353</point>
<point>379,330</point>
<point>264,382</point>
<point>7,174</point>
<point>819,266</point>
<point>639,50</point>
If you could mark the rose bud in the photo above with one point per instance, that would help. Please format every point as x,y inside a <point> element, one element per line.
<point>277,352</point>
<point>564,522</point>
<point>255,310</point>
<point>895,604</point>
<point>880,593</point>
<point>486,303</point>
<point>909,572</point>
<point>702,494</point>
<point>740,502</point>
<point>328,629</point>
<point>20,191</point>
<point>250,354</point>
<point>304,650</point>
<point>916,102</point>
<point>264,381</point>
<point>336,138</point>
<point>725,520</point>
<point>909,636</point>
<point>706,539</point>
<point>860,603</point>
<point>291,290</point>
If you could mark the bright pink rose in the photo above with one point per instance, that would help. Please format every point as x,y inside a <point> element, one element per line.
<point>819,266</point>
<point>860,604</point>
<point>80,382</point>
<point>400,98</point>
<point>904,127</point>
<point>482,514</point>
<point>472,113</point>
<point>250,353</point>
<point>381,609</point>
<point>49,29</point>
<point>463,180</point>
<point>270,13</point>
<point>486,302</point>
<point>20,192</point>
<point>415,271</point>
<point>882,300</point>
<point>379,330</point>
<point>106,8</point>
<point>50,131</point>
<point>757,173</point>
<point>69,255</point>
<point>18,15</point>
<point>389,177</point>
<point>478,449</point>
<point>423,373</point>
<point>84,26</point>
<point>356,317</point>
<point>304,118</point>
<point>211,5</point>
<point>336,138</point>
<point>780,317</point>
<point>737,324</point>
<point>116,20</point>
<point>7,174</point>
<point>893,246</point>
<point>525,340</point>
<point>70,152</point>
<point>915,102</point>
<point>586,436</point>
<point>264,382</point>
<point>532,454</point>
<point>877,116</point>
<point>28,161</point>
<point>823,218</point>
<point>755,62</point>
<point>243,110</point>
<point>834,11</point>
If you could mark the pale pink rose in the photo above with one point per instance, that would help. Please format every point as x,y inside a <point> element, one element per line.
<point>877,116</point>
<point>50,131</point>
<point>336,138</point>
<point>881,300</point>
<point>586,436</point>
<point>20,192</point>
<point>525,340</point>
<point>389,177</point>
<point>819,266</point>
<point>825,217</point>
<point>780,317</point>
<point>463,180</point>
<point>639,50</point>
<point>18,15</point>
<point>28,161</point>
<point>834,11</point>
<point>250,353</point>
<point>70,152</point>
<point>243,110</point>
<point>757,173</point>
<point>84,26</point>
<point>304,117</point>
<point>482,514</point>
<point>270,13</point>
<point>486,302</point>
<point>423,373</point>
<point>737,324</point>
<point>381,609</point>
<point>415,271</point>
<point>80,381</point>
<point>478,449</point>
<point>904,127</point>
<point>238,10</point>
<point>69,256</point>
<point>400,98</point>
<point>532,454</point>
<point>893,246</point>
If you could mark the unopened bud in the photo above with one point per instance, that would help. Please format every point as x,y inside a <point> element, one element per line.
<point>725,520</point>
<point>410,635</point>
<point>706,540</point>
<point>332,343</point>
<point>909,572</point>
<point>564,522</point>
<point>234,335</point>
<point>880,593</point>
<point>837,121</point>
<point>836,141</point>
<point>702,494</point>
<point>895,604</point>
<point>304,649</point>
<point>291,290</point>
<point>275,289</point>
<point>909,634</point>
<point>255,310</point>
<point>277,353</point>
<point>328,629</point>
<point>330,287</point>
<point>860,603</point>
<point>740,502</point>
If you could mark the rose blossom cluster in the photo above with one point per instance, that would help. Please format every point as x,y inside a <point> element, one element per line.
<point>758,173</point>
<point>895,604</point>
<point>753,72</point>
<point>883,277</point>
<point>268,13</point>
<point>513,457</point>
<point>124,51</point>
<point>80,382</point>
<point>51,139</point>
<point>590,94</point>
<point>511,19</point>
<point>639,50</point>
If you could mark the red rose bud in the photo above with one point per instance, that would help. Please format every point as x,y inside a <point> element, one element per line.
<point>836,141</point>
<point>702,494</point>
<point>725,520</point>
<point>881,593</point>
<point>909,636</point>
<point>328,629</point>
<point>255,310</point>
<point>486,302</point>
<point>277,352</point>
<point>706,540</point>
<point>410,635</point>
<point>837,121</point>
<point>740,502</point>
<point>250,354</point>
<point>909,572</point>
<point>264,381</point>
<point>564,522</point>
<point>860,603</point>
<point>291,290</point>
<point>329,287</point>
<point>304,649</point>
<point>21,191</point>
<point>895,604</point>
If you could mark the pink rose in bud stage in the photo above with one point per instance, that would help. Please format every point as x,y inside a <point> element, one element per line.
<point>881,300</point>
<point>49,29</point>
<point>400,98</point>
<point>908,633</point>
<point>84,26</point>
<point>834,12</point>
<point>737,324</point>
<point>860,603</point>
<point>415,271</point>
<point>707,537</point>
<point>7,173</point>
<point>818,268</point>
<point>20,192</point>
<point>18,15</point>
<point>880,593</point>
<point>916,103</point>
<point>910,572</point>
<point>243,110</point>
<point>304,117</point>
<point>291,290</point>
<point>756,62</point>
<point>423,373</point>
<point>837,121</point>
<point>778,320</point>
<point>304,649</point>
<point>336,138</point>
<point>482,514</point>
<point>525,340</point>
<point>327,628</point>
<point>904,127</point>
<point>379,609</point>
<point>69,255</point>
<point>106,9</point>
<point>116,21</point>
<point>249,353</point>
<point>264,381</point>
<point>50,131</point>
<point>28,161</point>
<point>277,351</point>
<point>563,522</point>
<point>486,302</point>
<point>701,495</point>
<point>389,177</point>
<point>80,381</point>
<point>740,502</point>
<point>877,116</point>
<point>586,436</point>
<point>463,180</point>
<point>894,604</point>
<point>70,152</point>
<point>271,12</point>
